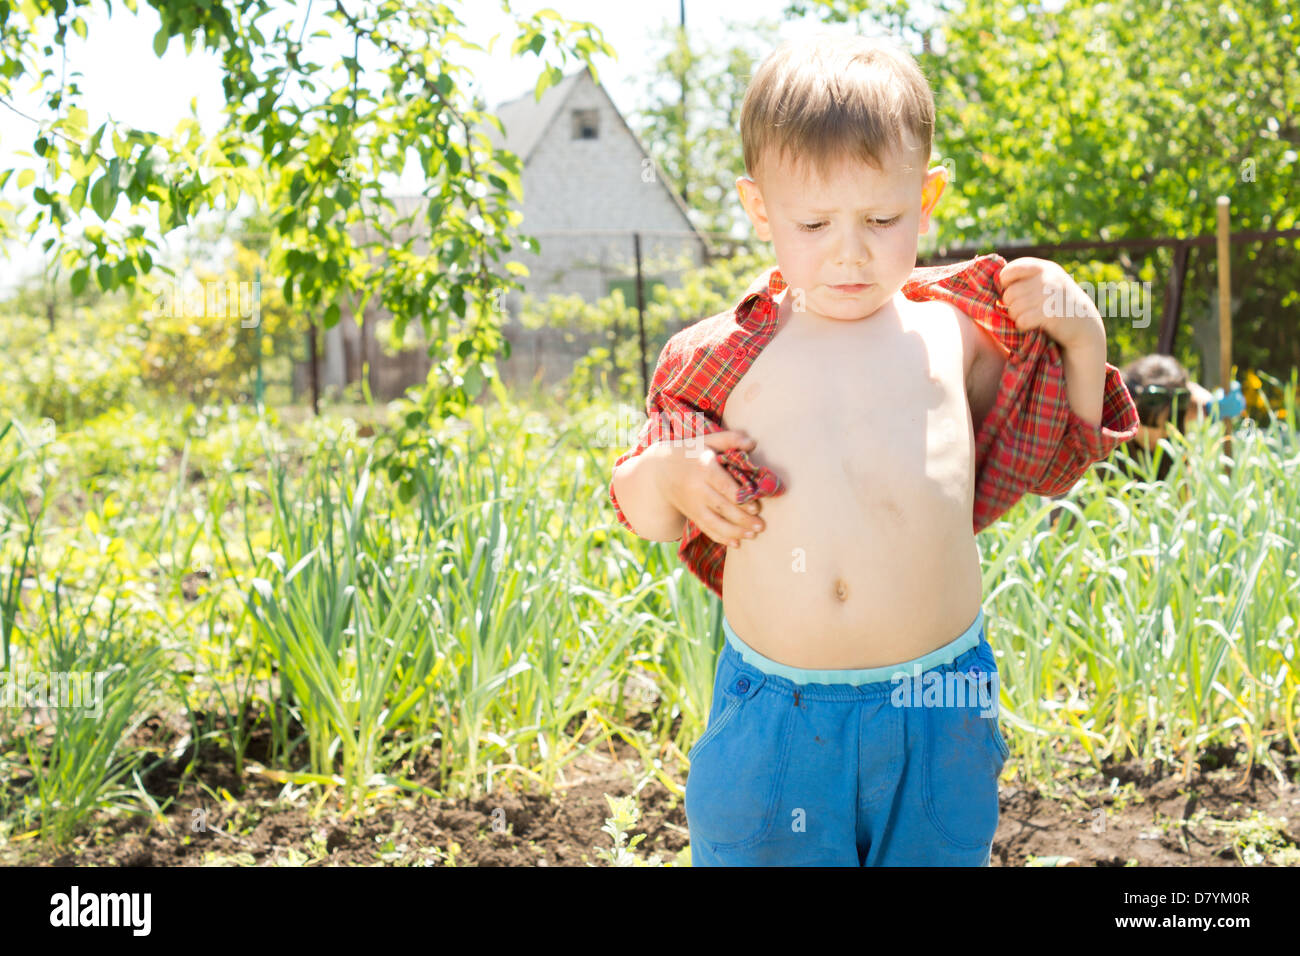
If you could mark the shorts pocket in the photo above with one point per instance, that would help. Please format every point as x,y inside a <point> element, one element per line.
<point>716,726</point>
<point>998,740</point>
<point>988,693</point>
<point>964,755</point>
<point>738,767</point>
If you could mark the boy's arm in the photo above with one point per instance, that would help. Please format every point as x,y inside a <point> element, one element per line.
<point>645,508</point>
<point>1039,424</point>
<point>1039,294</point>
<point>1085,379</point>
<point>636,489</point>
<point>1088,440</point>
<point>642,488</point>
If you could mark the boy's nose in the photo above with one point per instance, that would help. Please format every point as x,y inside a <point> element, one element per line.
<point>853,251</point>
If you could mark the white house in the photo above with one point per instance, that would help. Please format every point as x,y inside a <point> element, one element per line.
<point>588,187</point>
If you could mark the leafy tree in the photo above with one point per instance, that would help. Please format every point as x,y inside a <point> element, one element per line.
<point>306,139</point>
<point>1118,120</point>
<point>699,148</point>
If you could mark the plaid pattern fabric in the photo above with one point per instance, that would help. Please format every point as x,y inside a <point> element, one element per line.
<point>1030,441</point>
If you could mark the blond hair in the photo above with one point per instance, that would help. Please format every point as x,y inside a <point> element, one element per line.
<point>831,97</point>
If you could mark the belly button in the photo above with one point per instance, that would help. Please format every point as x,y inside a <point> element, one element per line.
<point>841,589</point>
<point>752,391</point>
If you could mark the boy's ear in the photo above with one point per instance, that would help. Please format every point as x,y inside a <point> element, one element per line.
<point>935,181</point>
<point>752,200</point>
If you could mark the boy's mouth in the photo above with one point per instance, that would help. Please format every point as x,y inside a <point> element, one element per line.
<point>852,288</point>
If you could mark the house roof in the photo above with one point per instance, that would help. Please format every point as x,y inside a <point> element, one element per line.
<point>525,119</point>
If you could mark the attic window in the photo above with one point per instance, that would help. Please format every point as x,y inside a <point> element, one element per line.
<point>585,124</point>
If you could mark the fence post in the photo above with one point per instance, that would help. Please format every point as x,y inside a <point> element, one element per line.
<point>315,367</point>
<point>1173,300</point>
<point>1225,318</point>
<point>1225,298</point>
<point>257,305</point>
<point>640,310</point>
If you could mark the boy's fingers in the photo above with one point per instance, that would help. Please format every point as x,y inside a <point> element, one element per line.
<point>738,520</point>
<point>717,529</point>
<point>1015,271</point>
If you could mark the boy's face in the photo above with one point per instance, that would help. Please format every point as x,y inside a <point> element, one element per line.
<point>858,227</point>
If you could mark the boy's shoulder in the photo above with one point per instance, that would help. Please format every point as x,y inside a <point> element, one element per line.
<point>715,330</point>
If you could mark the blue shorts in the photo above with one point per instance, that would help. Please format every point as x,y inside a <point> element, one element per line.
<point>883,766</point>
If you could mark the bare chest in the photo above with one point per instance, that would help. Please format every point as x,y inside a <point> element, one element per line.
<point>881,396</point>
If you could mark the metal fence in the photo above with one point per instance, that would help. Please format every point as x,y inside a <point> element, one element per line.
<point>1175,314</point>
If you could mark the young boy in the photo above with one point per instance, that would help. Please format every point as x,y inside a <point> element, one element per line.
<point>899,428</point>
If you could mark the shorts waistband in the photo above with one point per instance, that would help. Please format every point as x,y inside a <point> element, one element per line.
<point>938,657</point>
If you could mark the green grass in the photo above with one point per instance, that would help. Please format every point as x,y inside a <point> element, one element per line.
<point>499,622</point>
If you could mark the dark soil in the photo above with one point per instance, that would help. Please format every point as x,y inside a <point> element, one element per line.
<point>1122,817</point>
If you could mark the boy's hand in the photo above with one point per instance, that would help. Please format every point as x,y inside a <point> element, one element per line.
<point>699,487</point>
<point>1040,295</point>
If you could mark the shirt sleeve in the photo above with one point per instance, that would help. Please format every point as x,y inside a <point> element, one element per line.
<point>658,425</point>
<point>685,383</point>
<point>1084,443</point>
<point>1033,441</point>
<point>675,412</point>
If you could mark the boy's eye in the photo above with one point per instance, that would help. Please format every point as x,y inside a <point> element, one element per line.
<point>816,226</point>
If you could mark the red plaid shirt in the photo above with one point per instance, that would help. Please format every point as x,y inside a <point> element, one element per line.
<point>1031,440</point>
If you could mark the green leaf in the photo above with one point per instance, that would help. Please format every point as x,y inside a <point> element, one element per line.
<point>26,178</point>
<point>94,141</point>
<point>103,197</point>
<point>406,491</point>
<point>474,381</point>
<point>79,280</point>
<point>105,276</point>
<point>160,42</point>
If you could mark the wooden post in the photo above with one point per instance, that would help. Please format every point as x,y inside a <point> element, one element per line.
<point>640,309</point>
<point>315,368</point>
<point>1225,315</point>
<point>1225,299</point>
<point>1173,301</point>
